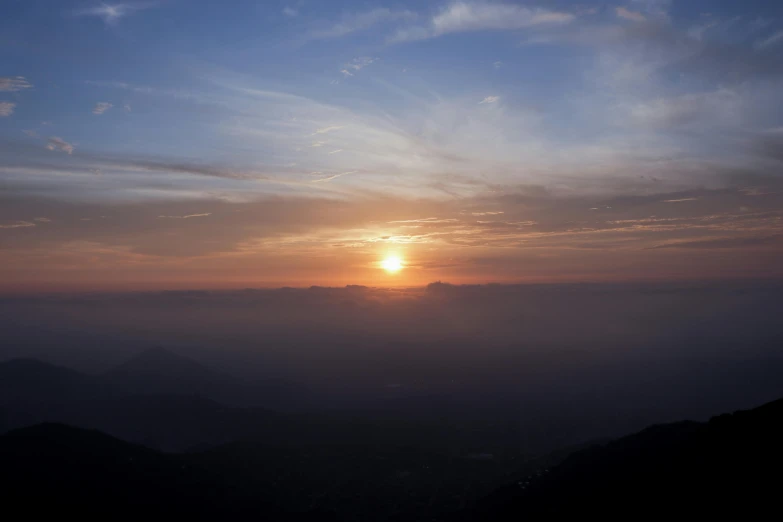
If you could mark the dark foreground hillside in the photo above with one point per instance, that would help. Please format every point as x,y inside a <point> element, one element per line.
<point>52,470</point>
<point>728,466</point>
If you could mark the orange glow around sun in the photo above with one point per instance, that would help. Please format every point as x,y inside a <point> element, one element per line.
<point>392,264</point>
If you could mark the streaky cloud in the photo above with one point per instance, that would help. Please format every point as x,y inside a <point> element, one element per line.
<point>58,144</point>
<point>101,107</point>
<point>188,216</point>
<point>17,224</point>
<point>14,83</point>
<point>481,16</point>
<point>360,21</point>
<point>6,108</point>
<point>111,14</point>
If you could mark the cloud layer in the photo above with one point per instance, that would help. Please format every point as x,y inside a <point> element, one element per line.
<point>479,140</point>
<point>13,83</point>
<point>111,14</point>
<point>7,108</point>
<point>58,144</point>
<point>479,16</point>
<point>101,107</point>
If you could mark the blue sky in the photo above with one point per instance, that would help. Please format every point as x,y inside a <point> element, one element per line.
<point>448,102</point>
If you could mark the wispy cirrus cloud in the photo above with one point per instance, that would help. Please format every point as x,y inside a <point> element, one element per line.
<point>13,83</point>
<point>653,8</point>
<point>17,224</point>
<point>101,107</point>
<point>354,22</point>
<point>656,111</point>
<point>111,14</point>
<point>128,87</point>
<point>325,130</point>
<point>487,213</point>
<point>558,232</point>
<point>356,65</point>
<point>712,108</point>
<point>770,41</point>
<point>479,16</point>
<point>7,108</point>
<point>332,177</point>
<point>681,200</point>
<point>627,14</point>
<point>445,142</point>
<point>440,143</point>
<point>731,243</point>
<point>187,216</point>
<point>423,220</point>
<point>58,144</point>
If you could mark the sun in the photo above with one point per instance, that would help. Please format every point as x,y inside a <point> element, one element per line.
<point>392,264</point>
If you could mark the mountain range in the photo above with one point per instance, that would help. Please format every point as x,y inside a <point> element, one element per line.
<point>158,398</point>
<point>168,402</point>
<point>727,466</point>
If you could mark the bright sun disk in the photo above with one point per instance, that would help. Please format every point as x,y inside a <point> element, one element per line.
<point>392,264</point>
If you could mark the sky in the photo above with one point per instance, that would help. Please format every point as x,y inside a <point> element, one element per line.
<point>190,144</point>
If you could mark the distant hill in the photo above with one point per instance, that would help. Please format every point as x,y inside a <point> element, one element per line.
<point>729,466</point>
<point>30,382</point>
<point>168,402</point>
<point>161,371</point>
<point>158,398</point>
<point>172,422</point>
<point>33,391</point>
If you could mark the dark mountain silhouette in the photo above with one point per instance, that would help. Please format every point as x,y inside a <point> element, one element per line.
<point>171,403</point>
<point>49,470</point>
<point>158,398</point>
<point>159,371</point>
<point>172,422</point>
<point>168,402</point>
<point>90,473</point>
<point>33,391</point>
<point>30,382</point>
<point>130,403</point>
<point>728,466</point>
<point>359,481</point>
